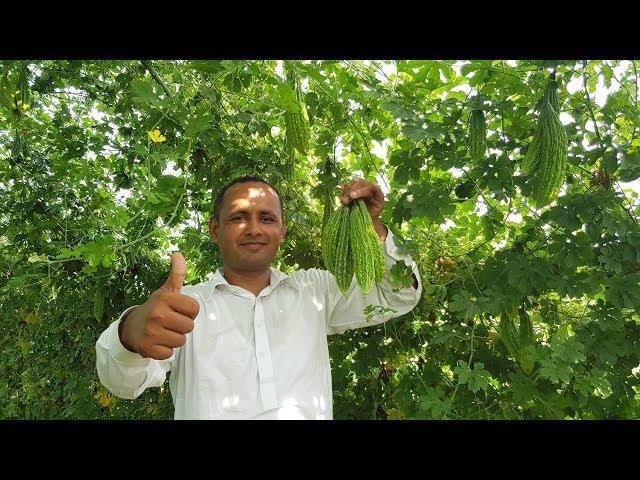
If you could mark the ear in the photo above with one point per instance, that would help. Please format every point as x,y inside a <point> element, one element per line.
<point>213,230</point>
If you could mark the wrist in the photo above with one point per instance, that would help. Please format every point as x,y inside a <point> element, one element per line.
<point>380,229</point>
<point>122,332</point>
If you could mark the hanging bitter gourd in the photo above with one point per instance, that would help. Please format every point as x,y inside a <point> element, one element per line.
<point>297,131</point>
<point>551,95</point>
<point>343,262</point>
<point>477,135</point>
<point>545,163</point>
<point>374,248</point>
<point>327,207</point>
<point>509,335</point>
<point>527,339</point>
<point>518,340</point>
<point>296,122</point>
<point>327,194</point>
<point>361,247</point>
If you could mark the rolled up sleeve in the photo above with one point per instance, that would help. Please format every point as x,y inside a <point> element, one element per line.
<point>127,374</point>
<point>388,301</point>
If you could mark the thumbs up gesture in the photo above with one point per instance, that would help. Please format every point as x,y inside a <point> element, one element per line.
<point>177,275</point>
<point>160,324</point>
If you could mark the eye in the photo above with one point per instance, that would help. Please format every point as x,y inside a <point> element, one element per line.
<point>268,219</point>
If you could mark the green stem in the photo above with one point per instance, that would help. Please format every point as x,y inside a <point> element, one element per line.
<point>147,64</point>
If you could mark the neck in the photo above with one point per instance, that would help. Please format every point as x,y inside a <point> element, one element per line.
<point>253,281</point>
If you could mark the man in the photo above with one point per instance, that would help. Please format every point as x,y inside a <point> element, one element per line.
<point>251,342</point>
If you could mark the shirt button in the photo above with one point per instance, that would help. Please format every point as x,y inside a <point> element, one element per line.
<point>261,354</point>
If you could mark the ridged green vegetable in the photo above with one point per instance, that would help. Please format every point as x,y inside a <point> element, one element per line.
<point>477,135</point>
<point>297,131</point>
<point>327,207</point>
<point>517,340</point>
<point>350,246</point>
<point>361,247</point>
<point>327,191</point>
<point>375,248</point>
<point>509,335</point>
<point>527,337</point>
<point>380,266</point>
<point>296,125</point>
<point>378,258</point>
<point>344,267</point>
<point>545,163</point>
<point>551,95</point>
<point>288,169</point>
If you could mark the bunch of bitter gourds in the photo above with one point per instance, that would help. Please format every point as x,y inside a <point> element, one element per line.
<point>545,163</point>
<point>351,246</point>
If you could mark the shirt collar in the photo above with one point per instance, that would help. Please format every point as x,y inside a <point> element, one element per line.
<point>275,278</point>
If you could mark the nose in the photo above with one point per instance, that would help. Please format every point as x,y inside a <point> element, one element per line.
<point>253,226</point>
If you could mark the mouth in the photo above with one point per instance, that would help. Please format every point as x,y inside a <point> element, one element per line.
<point>253,245</point>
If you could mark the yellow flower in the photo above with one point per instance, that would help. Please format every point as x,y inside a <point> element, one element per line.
<point>103,398</point>
<point>156,136</point>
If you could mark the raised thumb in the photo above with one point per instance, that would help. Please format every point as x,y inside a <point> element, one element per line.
<point>178,273</point>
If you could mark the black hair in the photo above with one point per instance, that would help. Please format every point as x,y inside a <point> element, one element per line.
<point>247,178</point>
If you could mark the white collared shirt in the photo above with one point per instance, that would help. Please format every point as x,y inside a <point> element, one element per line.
<point>256,357</point>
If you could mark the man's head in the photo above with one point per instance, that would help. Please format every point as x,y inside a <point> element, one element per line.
<point>248,224</point>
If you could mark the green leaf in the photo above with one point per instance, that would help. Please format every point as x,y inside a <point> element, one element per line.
<point>207,66</point>
<point>556,372</point>
<point>401,275</point>
<point>431,402</point>
<point>629,169</point>
<point>476,378</point>
<point>414,132</point>
<point>145,92</point>
<point>462,302</point>
<point>287,97</point>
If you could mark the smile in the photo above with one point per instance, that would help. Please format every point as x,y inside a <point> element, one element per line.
<point>253,246</point>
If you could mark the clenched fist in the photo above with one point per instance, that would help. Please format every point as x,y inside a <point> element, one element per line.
<point>159,325</point>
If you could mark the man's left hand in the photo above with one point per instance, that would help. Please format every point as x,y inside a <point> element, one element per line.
<point>371,193</point>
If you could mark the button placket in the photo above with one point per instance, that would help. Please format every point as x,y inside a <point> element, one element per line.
<point>263,358</point>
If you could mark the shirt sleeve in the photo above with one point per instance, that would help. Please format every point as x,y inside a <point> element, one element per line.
<point>347,312</point>
<point>127,374</point>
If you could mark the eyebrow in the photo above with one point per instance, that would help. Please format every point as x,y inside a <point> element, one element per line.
<point>262,212</point>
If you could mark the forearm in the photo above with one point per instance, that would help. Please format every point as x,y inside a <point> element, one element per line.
<point>123,333</point>
<point>382,232</point>
<point>380,229</point>
<point>124,373</point>
<point>348,311</point>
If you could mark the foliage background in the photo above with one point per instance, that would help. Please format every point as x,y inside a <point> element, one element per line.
<point>90,205</point>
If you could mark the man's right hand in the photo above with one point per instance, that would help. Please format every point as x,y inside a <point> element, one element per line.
<point>159,325</point>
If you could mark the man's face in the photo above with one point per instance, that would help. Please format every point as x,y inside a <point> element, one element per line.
<point>250,228</point>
